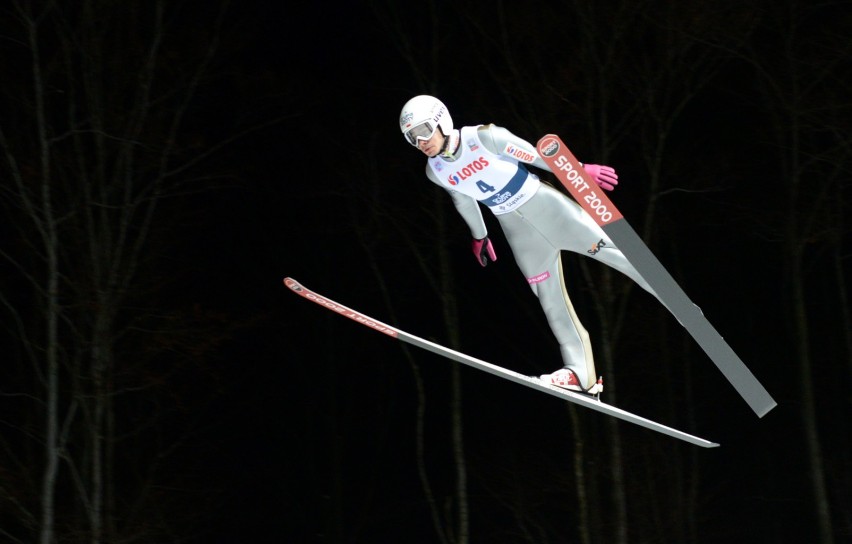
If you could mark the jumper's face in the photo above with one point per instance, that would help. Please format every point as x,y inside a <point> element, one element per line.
<point>433,145</point>
<point>426,137</point>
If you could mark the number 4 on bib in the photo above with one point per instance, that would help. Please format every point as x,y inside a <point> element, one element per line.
<point>484,187</point>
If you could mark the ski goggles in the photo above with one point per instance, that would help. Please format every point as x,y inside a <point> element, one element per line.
<point>423,131</point>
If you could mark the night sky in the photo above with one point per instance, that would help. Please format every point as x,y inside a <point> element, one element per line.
<point>306,430</point>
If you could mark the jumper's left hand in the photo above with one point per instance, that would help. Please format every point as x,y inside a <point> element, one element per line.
<point>604,176</point>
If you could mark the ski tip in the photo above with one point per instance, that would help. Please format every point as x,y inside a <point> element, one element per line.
<point>293,284</point>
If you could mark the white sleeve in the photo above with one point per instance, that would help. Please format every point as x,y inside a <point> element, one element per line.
<point>499,140</point>
<point>467,207</point>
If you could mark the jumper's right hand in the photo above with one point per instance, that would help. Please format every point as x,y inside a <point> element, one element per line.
<point>484,251</point>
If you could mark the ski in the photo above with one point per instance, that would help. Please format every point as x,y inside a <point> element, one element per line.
<point>534,383</point>
<point>570,172</point>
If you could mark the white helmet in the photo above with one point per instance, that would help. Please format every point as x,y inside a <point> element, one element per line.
<point>421,116</point>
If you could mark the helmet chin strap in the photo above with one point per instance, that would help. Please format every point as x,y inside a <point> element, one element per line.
<point>451,144</point>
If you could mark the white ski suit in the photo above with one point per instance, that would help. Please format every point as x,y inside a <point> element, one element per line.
<point>488,167</point>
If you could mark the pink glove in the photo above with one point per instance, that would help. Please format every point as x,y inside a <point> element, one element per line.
<point>604,176</point>
<point>484,251</point>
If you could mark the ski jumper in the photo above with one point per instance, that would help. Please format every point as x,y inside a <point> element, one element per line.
<point>489,168</point>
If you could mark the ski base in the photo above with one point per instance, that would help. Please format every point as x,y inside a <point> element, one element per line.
<point>587,401</point>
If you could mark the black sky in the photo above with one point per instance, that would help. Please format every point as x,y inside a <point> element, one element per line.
<point>311,437</point>
<point>327,399</point>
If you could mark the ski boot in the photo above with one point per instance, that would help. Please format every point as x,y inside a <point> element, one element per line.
<point>567,379</point>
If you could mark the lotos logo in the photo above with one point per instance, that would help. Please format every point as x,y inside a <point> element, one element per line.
<point>406,118</point>
<point>549,147</point>
<point>518,153</point>
<point>468,170</point>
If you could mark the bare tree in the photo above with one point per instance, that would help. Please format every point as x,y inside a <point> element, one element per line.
<point>95,147</point>
<point>668,66</point>
<point>426,63</point>
<point>802,67</point>
<point>614,75</point>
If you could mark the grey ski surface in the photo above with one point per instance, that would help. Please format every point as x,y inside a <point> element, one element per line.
<point>571,174</point>
<point>531,382</point>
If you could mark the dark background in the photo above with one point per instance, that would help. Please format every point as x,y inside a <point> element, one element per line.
<point>303,424</point>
